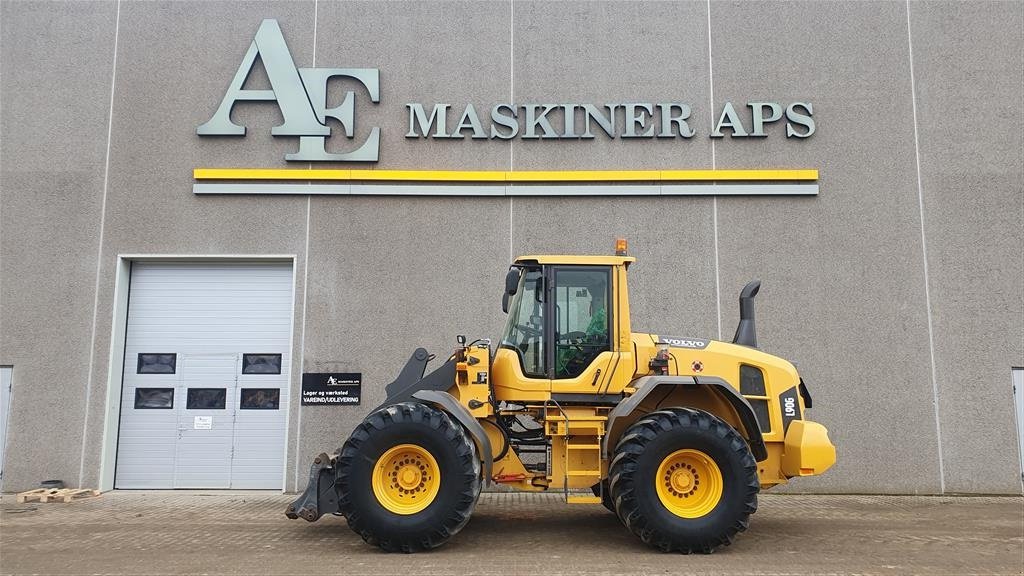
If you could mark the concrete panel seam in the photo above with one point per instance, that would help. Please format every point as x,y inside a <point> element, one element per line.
<point>924,255</point>
<point>511,98</point>
<point>316,9</point>
<point>99,251</point>
<point>511,71</point>
<point>511,256</point>
<point>305,295</point>
<point>302,339</point>
<point>714,200</point>
<point>718,290</point>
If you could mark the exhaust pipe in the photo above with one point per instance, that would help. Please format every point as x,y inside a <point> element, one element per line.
<point>746,334</point>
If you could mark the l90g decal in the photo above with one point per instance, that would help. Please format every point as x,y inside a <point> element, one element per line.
<point>682,342</point>
<point>790,407</point>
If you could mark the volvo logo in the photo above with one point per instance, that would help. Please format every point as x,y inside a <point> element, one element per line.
<point>679,342</point>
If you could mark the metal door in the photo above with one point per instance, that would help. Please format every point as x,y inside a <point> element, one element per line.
<point>206,421</point>
<point>220,332</point>
<point>261,400</point>
<point>5,406</point>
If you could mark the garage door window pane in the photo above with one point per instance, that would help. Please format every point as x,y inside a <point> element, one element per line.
<point>157,363</point>
<point>261,398</point>
<point>261,364</point>
<point>154,398</point>
<point>206,398</point>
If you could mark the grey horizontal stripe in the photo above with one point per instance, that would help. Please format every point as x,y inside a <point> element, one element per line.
<point>329,189</point>
<point>583,190</point>
<point>512,189</point>
<point>428,190</point>
<point>739,190</point>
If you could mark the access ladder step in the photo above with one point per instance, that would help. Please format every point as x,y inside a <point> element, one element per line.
<point>583,499</point>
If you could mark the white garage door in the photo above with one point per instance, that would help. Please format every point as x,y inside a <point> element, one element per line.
<point>205,391</point>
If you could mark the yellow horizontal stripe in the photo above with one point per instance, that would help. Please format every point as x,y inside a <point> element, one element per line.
<point>502,176</point>
<point>422,175</point>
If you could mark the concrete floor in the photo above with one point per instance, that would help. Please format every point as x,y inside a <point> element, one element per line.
<point>510,534</point>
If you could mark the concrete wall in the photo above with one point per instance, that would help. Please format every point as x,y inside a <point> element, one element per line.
<point>973,193</point>
<point>899,290</point>
<point>55,93</point>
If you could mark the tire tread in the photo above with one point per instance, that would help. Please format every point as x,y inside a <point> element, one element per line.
<point>624,466</point>
<point>440,422</point>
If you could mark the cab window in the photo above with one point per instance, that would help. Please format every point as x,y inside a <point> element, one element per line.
<point>524,332</point>
<point>582,318</point>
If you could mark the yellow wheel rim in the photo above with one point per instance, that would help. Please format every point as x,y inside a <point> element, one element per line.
<point>406,479</point>
<point>689,483</point>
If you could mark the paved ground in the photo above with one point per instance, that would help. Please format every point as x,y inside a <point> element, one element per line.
<point>510,534</point>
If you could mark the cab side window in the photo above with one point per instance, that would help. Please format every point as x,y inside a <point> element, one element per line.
<point>526,326</point>
<point>582,318</point>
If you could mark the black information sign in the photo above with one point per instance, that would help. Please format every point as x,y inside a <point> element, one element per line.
<point>331,388</point>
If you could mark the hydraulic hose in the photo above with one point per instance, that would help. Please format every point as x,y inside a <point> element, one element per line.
<point>506,442</point>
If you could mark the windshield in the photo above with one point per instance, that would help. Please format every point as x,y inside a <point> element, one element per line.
<point>524,331</point>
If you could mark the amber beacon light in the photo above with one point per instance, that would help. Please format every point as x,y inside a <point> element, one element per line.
<point>620,246</point>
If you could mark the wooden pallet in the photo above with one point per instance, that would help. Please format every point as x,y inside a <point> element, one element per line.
<point>54,495</point>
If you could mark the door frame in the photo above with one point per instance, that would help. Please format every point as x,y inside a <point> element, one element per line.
<point>119,326</point>
<point>1017,383</point>
<point>6,393</point>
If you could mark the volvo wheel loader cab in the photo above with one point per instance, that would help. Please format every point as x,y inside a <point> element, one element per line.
<point>674,434</point>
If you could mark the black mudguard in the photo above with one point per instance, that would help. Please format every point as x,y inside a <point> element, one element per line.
<point>647,384</point>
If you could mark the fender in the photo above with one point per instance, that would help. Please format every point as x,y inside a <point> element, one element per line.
<point>411,384</point>
<point>647,384</point>
<point>449,404</point>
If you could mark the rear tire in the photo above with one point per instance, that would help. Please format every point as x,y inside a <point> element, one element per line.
<point>683,480</point>
<point>408,478</point>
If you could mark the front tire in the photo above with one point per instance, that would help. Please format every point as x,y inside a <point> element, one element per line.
<point>683,480</point>
<point>408,478</point>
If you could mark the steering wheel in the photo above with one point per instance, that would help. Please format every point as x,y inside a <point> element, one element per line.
<point>529,330</point>
<point>574,340</point>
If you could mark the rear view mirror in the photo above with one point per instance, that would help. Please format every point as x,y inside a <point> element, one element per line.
<point>512,281</point>
<point>511,285</point>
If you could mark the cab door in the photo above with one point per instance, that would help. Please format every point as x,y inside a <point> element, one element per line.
<point>580,322</point>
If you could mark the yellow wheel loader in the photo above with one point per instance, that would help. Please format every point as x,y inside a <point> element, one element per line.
<point>675,435</point>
